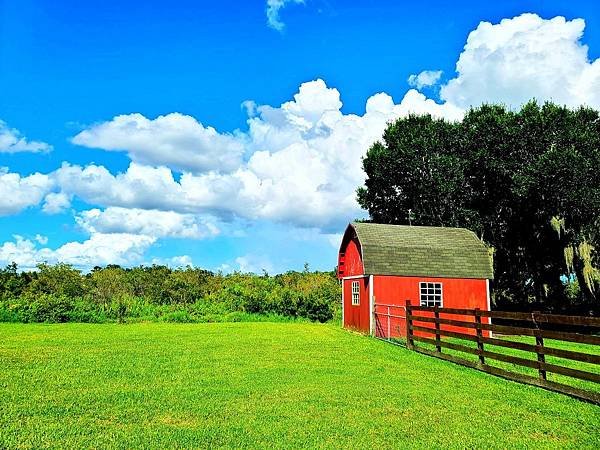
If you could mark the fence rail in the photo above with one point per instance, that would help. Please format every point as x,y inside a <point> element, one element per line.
<point>431,328</point>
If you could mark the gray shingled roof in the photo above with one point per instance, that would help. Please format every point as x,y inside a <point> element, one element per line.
<point>422,251</point>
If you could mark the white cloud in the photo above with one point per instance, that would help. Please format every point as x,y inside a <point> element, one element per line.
<point>303,169</point>
<point>425,78</point>
<point>11,141</point>
<point>254,264</point>
<point>23,252</point>
<point>102,249</point>
<point>181,261</point>
<point>522,58</point>
<point>19,192</point>
<point>56,203</point>
<point>273,9</point>
<point>175,261</point>
<point>224,268</point>
<point>140,186</point>
<point>154,223</point>
<point>41,239</point>
<point>99,249</point>
<point>304,156</point>
<point>174,140</point>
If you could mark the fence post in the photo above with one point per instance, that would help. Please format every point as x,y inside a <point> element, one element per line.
<point>409,341</point>
<point>479,336</point>
<point>388,324</point>
<point>539,342</point>
<point>438,337</point>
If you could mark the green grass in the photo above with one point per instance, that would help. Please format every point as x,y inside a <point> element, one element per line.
<point>563,345</point>
<point>261,385</point>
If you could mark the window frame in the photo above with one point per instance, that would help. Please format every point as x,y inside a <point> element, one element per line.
<point>355,293</point>
<point>430,288</point>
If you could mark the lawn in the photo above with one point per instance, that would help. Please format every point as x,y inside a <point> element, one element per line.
<point>551,343</point>
<point>261,385</point>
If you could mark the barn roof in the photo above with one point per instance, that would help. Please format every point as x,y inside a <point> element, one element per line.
<point>422,251</point>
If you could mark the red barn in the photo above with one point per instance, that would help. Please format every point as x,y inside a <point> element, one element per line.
<point>382,266</point>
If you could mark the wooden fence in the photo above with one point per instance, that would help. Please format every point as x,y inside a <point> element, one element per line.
<point>431,328</point>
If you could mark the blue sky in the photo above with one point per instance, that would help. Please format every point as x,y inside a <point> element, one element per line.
<point>198,132</point>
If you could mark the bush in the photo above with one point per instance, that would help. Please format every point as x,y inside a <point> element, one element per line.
<point>60,294</point>
<point>9,314</point>
<point>43,307</point>
<point>87,312</point>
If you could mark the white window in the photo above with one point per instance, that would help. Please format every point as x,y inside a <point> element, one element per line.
<point>431,294</point>
<point>356,293</point>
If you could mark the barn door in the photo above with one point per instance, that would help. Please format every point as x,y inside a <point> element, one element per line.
<point>356,304</point>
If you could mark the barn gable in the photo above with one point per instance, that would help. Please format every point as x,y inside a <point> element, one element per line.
<point>420,251</point>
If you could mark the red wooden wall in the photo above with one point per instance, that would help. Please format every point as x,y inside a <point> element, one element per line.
<point>395,290</point>
<point>350,260</point>
<point>457,293</point>
<point>356,317</point>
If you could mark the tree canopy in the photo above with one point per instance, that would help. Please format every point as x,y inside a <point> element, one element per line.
<point>527,182</point>
<point>61,293</point>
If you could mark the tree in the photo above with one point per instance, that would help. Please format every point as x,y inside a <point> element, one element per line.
<point>109,283</point>
<point>12,283</point>
<point>527,182</point>
<point>59,279</point>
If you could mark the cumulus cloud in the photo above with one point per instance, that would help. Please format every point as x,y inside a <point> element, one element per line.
<point>252,264</point>
<point>153,223</point>
<point>116,236</point>
<point>175,261</point>
<point>41,239</point>
<point>19,192</point>
<point>303,157</point>
<point>273,9</point>
<point>303,162</point>
<point>11,141</point>
<point>56,203</point>
<point>99,249</point>
<point>140,186</point>
<point>181,261</point>
<point>425,78</point>
<point>174,140</point>
<point>303,169</point>
<point>522,58</point>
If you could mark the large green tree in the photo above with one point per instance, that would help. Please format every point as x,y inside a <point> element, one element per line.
<point>527,182</point>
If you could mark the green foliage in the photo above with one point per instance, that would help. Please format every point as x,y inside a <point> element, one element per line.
<point>525,181</point>
<point>156,293</point>
<point>60,279</point>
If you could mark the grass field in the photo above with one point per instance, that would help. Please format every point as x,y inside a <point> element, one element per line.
<point>551,343</point>
<point>261,385</point>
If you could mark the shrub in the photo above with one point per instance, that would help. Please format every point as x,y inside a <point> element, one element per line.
<point>45,308</point>
<point>86,311</point>
<point>9,314</point>
<point>60,293</point>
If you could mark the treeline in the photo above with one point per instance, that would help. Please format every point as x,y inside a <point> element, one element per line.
<point>527,182</point>
<point>61,293</point>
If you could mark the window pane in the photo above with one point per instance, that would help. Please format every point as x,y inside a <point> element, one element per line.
<point>430,294</point>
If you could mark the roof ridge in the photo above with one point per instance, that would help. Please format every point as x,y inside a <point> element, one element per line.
<point>412,226</point>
